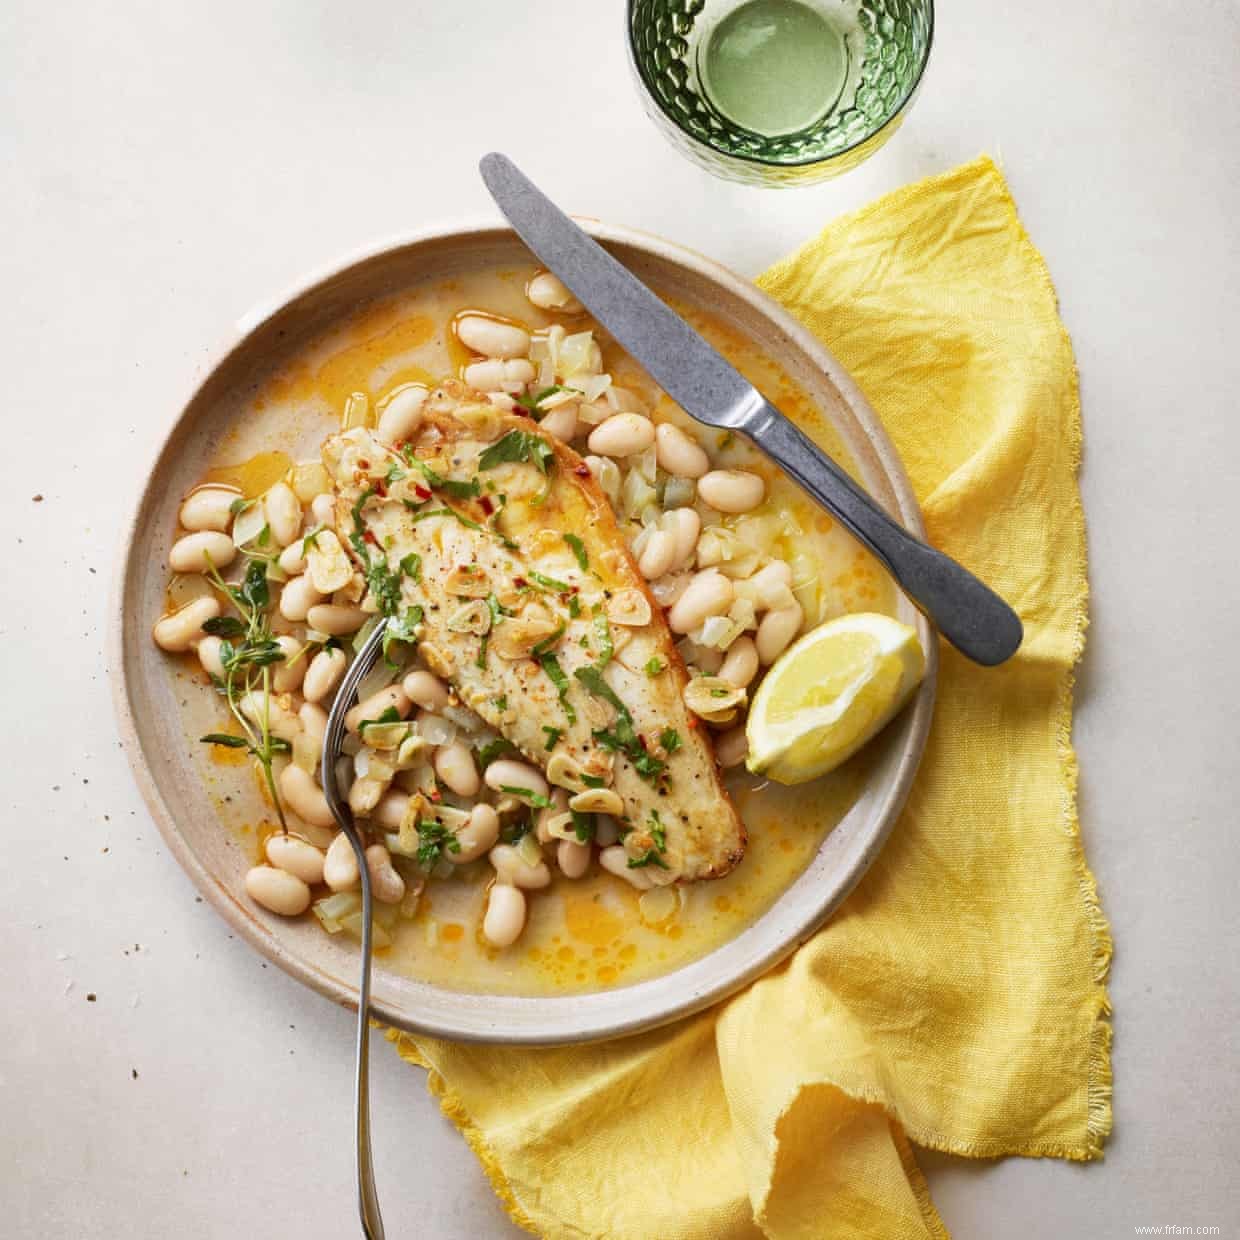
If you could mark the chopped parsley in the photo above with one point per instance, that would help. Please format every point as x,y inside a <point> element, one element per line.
<point>669,738</point>
<point>534,403</point>
<point>549,583</point>
<point>574,606</point>
<point>593,781</point>
<point>239,505</point>
<point>553,737</point>
<point>449,486</point>
<point>649,857</point>
<point>604,645</point>
<point>390,715</point>
<point>541,647</point>
<point>310,540</point>
<point>423,515</point>
<point>622,736</point>
<point>411,566</point>
<point>654,666</point>
<point>579,550</point>
<point>494,749</point>
<point>384,585</point>
<point>519,446</point>
<point>434,839</point>
<point>357,537</point>
<point>401,629</point>
<point>501,703</point>
<point>657,831</point>
<point>584,825</point>
<point>528,795</point>
<point>555,673</point>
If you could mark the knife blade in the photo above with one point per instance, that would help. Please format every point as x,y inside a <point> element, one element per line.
<point>965,610</point>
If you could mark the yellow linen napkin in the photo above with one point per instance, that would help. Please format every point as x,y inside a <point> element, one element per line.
<point>957,998</point>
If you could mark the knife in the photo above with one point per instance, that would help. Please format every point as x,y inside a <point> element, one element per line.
<point>965,610</point>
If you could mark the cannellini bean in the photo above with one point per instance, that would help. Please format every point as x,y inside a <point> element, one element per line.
<point>258,706</point>
<point>454,764</point>
<point>391,698</point>
<point>340,870</point>
<point>208,651</point>
<point>324,674</point>
<point>776,629</point>
<point>390,811</point>
<point>496,375</point>
<point>208,508</point>
<point>558,806</point>
<point>385,884</point>
<point>505,915</point>
<point>507,773</point>
<point>731,747</point>
<point>707,659</point>
<point>305,798</point>
<point>402,415</point>
<point>277,890</point>
<point>323,508</point>
<point>291,560</point>
<point>283,513</point>
<point>740,664</point>
<point>294,856</point>
<point>313,721</point>
<point>179,631</point>
<point>658,555</point>
<point>684,525</point>
<point>606,830</point>
<point>195,553</point>
<point>771,585</point>
<point>678,452</point>
<point>561,422</point>
<point>710,593</point>
<point>511,867</point>
<point>492,338</point>
<point>573,858</point>
<point>477,836</point>
<point>288,675</point>
<point>297,597</point>
<point>334,619</point>
<point>731,490</point>
<point>616,861</point>
<point>426,690</point>
<point>548,292</point>
<point>623,434</point>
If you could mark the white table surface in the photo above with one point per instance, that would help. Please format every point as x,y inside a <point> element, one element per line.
<point>167,165</point>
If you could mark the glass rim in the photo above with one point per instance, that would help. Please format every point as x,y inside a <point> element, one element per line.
<point>759,160</point>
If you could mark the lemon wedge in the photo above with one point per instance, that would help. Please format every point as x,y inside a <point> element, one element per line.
<point>830,693</point>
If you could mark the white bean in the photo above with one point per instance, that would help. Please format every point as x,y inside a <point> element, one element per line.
<point>573,858</point>
<point>505,915</point>
<point>287,675</point>
<point>548,292</point>
<point>707,659</point>
<point>454,764</point>
<point>616,861</point>
<point>291,560</point>
<point>195,553</point>
<point>492,338</point>
<point>313,722</point>
<point>426,690</point>
<point>391,698</point>
<point>507,773</point>
<point>385,884</point>
<point>684,525</point>
<point>208,651</point>
<point>179,631</point>
<point>561,422</point>
<point>511,867</point>
<point>558,806</point>
<point>324,673</point>
<point>283,513</point>
<point>258,707</point>
<point>340,870</point>
<point>606,830</point>
<point>623,434</point>
<point>323,508</point>
<point>731,490</point>
<point>294,856</point>
<point>496,375</point>
<point>776,630</point>
<point>297,597</point>
<point>710,593</point>
<point>402,415</point>
<point>679,453</point>
<point>305,798</point>
<point>740,664</point>
<point>390,811</point>
<point>208,508</point>
<point>477,836</point>
<point>277,891</point>
<point>334,619</point>
<point>658,555</point>
<point>731,747</point>
<point>771,585</point>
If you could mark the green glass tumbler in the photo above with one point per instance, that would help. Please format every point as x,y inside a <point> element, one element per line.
<point>779,92</point>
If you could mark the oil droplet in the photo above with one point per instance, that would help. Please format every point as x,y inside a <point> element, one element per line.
<point>452,932</point>
<point>607,973</point>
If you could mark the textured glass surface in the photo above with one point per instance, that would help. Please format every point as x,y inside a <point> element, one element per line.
<point>889,39</point>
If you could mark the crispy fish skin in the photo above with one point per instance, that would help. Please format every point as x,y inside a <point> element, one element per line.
<point>501,589</point>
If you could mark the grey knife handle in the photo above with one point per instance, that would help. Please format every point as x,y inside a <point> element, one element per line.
<point>965,610</point>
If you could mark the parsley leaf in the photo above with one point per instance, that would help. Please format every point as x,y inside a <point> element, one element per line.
<point>579,550</point>
<point>553,737</point>
<point>434,839</point>
<point>602,635</point>
<point>225,739</point>
<point>555,673</point>
<point>494,749</point>
<point>422,515</point>
<point>528,795</point>
<point>654,666</point>
<point>584,825</point>
<point>390,715</point>
<point>669,738</point>
<point>411,566</point>
<point>534,403</point>
<point>449,486</point>
<point>649,857</point>
<point>549,583</point>
<point>519,446</point>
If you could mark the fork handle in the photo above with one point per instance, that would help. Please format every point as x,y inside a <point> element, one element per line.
<point>964,609</point>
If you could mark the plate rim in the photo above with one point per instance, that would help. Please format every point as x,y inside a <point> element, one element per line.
<point>573,1026</point>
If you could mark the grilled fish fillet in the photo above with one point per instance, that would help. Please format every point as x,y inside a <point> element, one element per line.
<point>492,541</point>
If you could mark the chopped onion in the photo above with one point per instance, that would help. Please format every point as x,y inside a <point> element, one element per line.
<point>184,590</point>
<point>578,355</point>
<point>635,494</point>
<point>593,387</point>
<point>249,524</point>
<point>718,632</point>
<point>379,677</point>
<point>310,478</point>
<point>679,493</point>
<point>464,719</point>
<point>362,636</point>
<point>658,905</point>
<point>436,730</point>
<point>306,750</point>
<point>334,909</point>
<point>529,849</point>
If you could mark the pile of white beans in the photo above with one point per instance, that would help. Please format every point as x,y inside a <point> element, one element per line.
<point>735,614</point>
